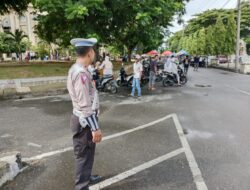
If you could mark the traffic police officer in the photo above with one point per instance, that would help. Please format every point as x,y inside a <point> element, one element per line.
<point>83,123</point>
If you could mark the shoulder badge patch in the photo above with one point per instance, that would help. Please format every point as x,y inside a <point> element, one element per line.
<point>84,78</point>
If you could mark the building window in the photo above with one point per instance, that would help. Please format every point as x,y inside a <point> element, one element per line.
<point>34,17</point>
<point>22,18</point>
<point>6,25</point>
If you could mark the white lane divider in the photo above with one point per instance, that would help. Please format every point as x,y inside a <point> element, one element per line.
<point>136,170</point>
<point>52,153</point>
<point>239,90</point>
<point>197,176</point>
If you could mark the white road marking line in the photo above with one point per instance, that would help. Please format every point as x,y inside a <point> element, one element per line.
<point>56,100</point>
<point>52,153</point>
<point>197,176</point>
<point>136,170</point>
<point>198,179</point>
<point>145,99</point>
<point>239,90</point>
<point>6,135</point>
<point>34,145</point>
<point>137,128</point>
<point>48,154</point>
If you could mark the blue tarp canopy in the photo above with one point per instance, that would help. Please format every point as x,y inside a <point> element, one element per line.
<point>182,52</point>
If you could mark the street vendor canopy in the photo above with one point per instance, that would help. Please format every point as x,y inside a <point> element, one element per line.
<point>167,53</point>
<point>182,52</point>
<point>153,52</point>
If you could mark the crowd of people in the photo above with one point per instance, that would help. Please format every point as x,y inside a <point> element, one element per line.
<point>170,64</point>
<point>149,66</point>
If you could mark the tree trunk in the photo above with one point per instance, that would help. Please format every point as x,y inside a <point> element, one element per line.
<point>97,51</point>
<point>129,54</point>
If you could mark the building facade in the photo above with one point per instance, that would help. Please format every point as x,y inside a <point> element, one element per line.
<point>25,22</point>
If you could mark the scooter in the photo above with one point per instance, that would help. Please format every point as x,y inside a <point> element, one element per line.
<point>170,79</point>
<point>124,79</point>
<point>145,73</point>
<point>105,84</point>
<point>159,75</point>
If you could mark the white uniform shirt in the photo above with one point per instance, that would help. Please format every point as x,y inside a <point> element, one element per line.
<point>81,89</point>
<point>167,64</point>
<point>172,67</point>
<point>137,70</point>
<point>107,66</point>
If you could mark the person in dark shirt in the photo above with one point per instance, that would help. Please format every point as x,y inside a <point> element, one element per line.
<point>186,63</point>
<point>196,63</point>
<point>152,75</point>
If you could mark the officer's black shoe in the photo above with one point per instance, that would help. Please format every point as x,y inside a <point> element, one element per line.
<point>95,179</point>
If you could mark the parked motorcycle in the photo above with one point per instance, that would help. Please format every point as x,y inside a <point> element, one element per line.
<point>124,79</point>
<point>170,79</point>
<point>159,75</point>
<point>145,73</point>
<point>105,84</point>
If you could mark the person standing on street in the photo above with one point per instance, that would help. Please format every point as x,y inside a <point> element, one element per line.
<point>107,67</point>
<point>186,63</point>
<point>152,75</point>
<point>83,123</point>
<point>137,76</point>
<point>196,63</point>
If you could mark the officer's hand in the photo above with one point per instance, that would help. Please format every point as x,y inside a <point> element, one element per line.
<point>97,136</point>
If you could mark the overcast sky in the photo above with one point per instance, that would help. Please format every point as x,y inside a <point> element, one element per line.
<point>198,6</point>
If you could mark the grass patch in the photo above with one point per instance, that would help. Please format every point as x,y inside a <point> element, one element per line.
<point>39,70</point>
<point>29,71</point>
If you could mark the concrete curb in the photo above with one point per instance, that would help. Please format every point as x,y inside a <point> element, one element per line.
<point>21,88</point>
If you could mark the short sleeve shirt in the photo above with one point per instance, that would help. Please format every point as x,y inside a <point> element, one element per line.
<point>137,70</point>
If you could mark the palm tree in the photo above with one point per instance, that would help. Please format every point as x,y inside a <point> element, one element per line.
<point>17,38</point>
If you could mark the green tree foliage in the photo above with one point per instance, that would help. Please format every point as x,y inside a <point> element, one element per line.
<point>245,20</point>
<point>18,6</point>
<point>230,35</point>
<point>115,22</point>
<point>175,40</point>
<point>210,44</point>
<point>220,37</point>
<point>18,42</point>
<point>4,47</point>
<point>214,31</point>
<point>42,49</point>
<point>201,42</point>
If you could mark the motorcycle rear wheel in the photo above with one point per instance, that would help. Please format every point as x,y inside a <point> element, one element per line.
<point>183,80</point>
<point>166,82</point>
<point>113,89</point>
<point>119,83</point>
<point>158,79</point>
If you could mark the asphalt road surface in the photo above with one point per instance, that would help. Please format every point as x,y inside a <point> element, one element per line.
<point>144,145</point>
